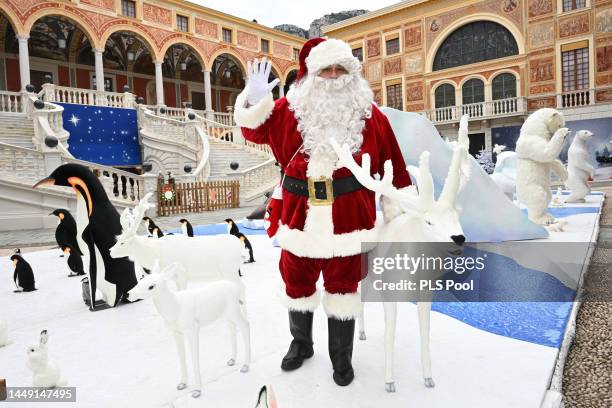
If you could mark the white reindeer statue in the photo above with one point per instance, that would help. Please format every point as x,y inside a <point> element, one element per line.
<point>207,258</point>
<point>185,312</point>
<point>424,220</point>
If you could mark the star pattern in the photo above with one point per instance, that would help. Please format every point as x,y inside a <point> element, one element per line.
<point>109,136</point>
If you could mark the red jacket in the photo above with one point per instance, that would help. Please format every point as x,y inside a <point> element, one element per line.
<point>322,231</point>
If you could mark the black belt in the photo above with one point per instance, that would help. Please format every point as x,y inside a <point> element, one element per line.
<point>321,191</point>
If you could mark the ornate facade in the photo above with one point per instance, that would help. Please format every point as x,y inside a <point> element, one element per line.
<point>558,56</point>
<point>167,51</point>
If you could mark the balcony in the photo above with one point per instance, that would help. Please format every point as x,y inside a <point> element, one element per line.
<point>482,110</point>
<point>575,99</point>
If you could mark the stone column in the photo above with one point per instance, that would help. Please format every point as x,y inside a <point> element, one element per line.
<point>159,82</point>
<point>24,61</point>
<point>281,89</point>
<point>99,70</point>
<point>207,92</point>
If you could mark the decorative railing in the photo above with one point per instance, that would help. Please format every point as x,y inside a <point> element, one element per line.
<point>169,129</point>
<point>80,96</point>
<point>21,163</point>
<point>574,99</point>
<point>11,102</point>
<point>117,183</point>
<point>48,122</point>
<point>258,179</point>
<point>224,118</point>
<point>482,110</point>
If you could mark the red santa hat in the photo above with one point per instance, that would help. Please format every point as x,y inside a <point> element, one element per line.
<point>318,53</point>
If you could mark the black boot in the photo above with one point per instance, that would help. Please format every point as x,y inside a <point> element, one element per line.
<point>341,333</point>
<point>300,325</point>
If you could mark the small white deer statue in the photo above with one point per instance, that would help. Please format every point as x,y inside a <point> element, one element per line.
<point>185,312</point>
<point>424,220</point>
<point>204,258</point>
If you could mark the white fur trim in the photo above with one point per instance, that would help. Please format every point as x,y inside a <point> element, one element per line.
<point>330,52</point>
<point>254,116</point>
<point>303,304</point>
<point>318,240</point>
<point>343,306</point>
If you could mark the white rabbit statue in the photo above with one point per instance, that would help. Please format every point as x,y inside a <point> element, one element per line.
<point>46,374</point>
<point>4,340</point>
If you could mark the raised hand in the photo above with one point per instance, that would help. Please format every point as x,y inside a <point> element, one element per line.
<point>257,84</point>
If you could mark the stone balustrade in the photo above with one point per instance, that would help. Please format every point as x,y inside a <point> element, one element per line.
<point>11,102</point>
<point>80,96</point>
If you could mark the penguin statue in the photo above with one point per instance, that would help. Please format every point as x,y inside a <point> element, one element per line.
<point>75,263</point>
<point>186,227</point>
<point>23,275</point>
<point>66,231</point>
<point>149,224</point>
<point>232,228</point>
<point>247,245</point>
<point>98,225</point>
<point>157,232</point>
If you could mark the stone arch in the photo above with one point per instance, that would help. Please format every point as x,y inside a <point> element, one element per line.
<point>62,13</point>
<point>143,36</point>
<point>514,30</point>
<point>13,20</point>
<point>184,41</point>
<point>289,70</point>
<point>484,80</point>
<point>241,63</point>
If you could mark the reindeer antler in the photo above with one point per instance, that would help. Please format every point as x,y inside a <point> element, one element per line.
<point>383,186</point>
<point>130,218</point>
<point>453,179</point>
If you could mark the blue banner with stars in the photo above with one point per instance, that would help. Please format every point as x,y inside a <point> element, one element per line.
<point>102,135</point>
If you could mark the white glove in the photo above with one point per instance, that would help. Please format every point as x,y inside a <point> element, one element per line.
<point>257,85</point>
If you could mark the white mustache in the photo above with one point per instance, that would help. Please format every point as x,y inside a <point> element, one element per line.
<point>333,83</point>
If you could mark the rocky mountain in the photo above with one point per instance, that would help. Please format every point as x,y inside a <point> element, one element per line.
<point>316,25</point>
<point>292,29</point>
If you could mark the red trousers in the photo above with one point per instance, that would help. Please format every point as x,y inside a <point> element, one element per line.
<point>300,274</point>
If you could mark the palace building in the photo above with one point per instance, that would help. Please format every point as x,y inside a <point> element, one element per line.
<point>497,60</point>
<point>169,52</point>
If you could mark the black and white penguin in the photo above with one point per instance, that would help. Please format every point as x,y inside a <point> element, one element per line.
<point>98,225</point>
<point>232,228</point>
<point>149,224</point>
<point>66,231</point>
<point>75,263</point>
<point>157,232</point>
<point>247,245</point>
<point>23,275</point>
<point>186,227</point>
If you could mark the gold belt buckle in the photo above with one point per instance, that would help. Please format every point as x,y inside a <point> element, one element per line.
<point>329,191</point>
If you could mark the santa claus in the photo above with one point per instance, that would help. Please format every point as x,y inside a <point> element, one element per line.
<point>327,217</point>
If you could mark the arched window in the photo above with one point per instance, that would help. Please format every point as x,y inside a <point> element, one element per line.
<point>504,86</point>
<point>473,92</point>
<point>475,42</point>
<point>445,96</point>
<point>504,90</point>
<point>444,101</point>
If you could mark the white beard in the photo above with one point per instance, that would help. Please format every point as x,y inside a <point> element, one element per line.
<point>330,108</point>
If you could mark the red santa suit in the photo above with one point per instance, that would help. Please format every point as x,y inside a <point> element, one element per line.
<point>322,238</point>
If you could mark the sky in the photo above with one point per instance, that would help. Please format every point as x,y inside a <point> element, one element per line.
<point>299,13</point>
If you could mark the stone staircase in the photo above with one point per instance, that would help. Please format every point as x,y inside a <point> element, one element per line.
<point>224,153</point>
<point>17,130</point>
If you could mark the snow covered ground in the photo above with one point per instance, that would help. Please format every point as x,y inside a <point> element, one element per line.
<point>125,357</point>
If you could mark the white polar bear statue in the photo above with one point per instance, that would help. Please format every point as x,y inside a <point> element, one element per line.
<point>537,148</point>
<point>579,168</point>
